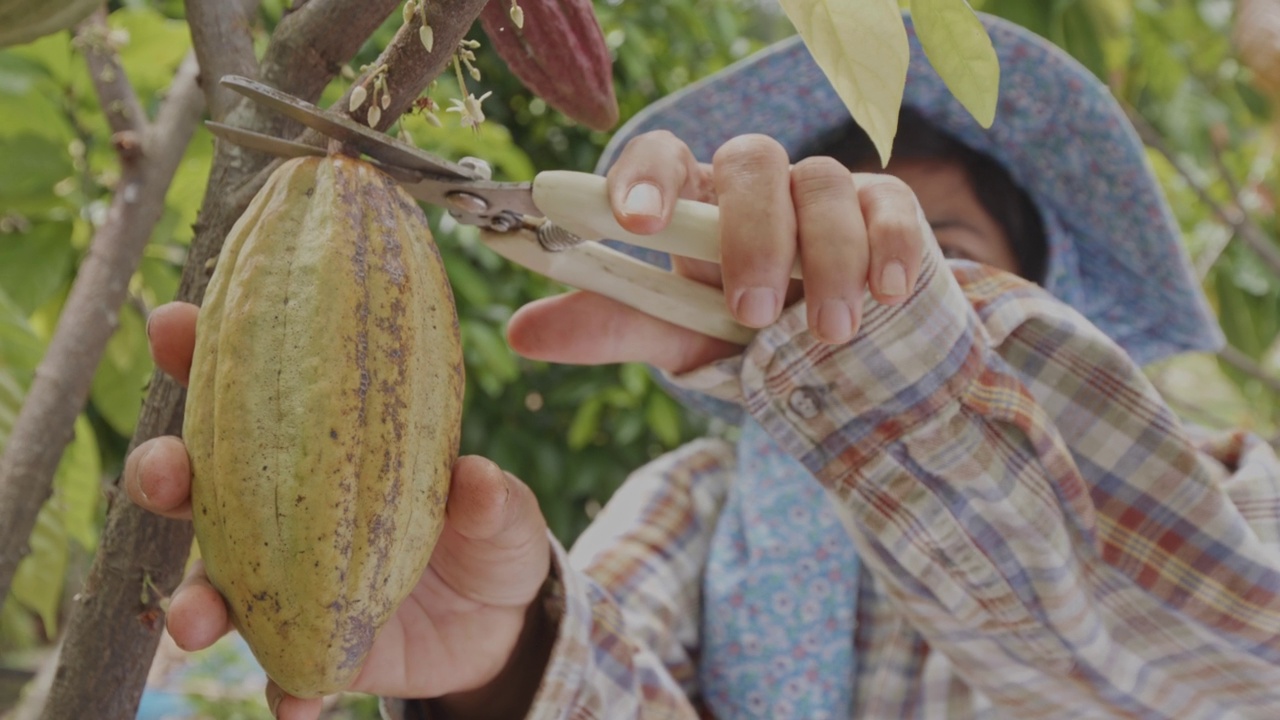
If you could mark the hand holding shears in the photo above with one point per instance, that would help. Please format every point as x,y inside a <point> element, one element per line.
<point>552,224</point>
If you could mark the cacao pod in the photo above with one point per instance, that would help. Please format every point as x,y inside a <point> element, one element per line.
<point>559,54</point>
<point>1256,33</point>
<point>22,21</point>
<point>323,416</point>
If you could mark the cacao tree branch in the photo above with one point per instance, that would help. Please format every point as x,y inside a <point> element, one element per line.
<point>63,378</point>
<point>410,68</point>
<point>117,617</point>
<point>1233,217</point>
<point>115,93</point>
<point>310,46</point>
<point>225,47</point>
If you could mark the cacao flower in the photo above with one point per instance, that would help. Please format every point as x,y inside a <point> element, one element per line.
<point>559,54</point>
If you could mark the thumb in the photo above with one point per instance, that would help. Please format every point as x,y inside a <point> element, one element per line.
<point>494,547</point>
<point>583,328</point>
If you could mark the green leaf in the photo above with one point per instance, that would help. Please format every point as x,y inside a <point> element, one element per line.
<point>52,53</point>
<point>958,47</point>
<point>586,424</point>
<point>159,280</point>
<point>35,264</point>
<point>862,48</point>
<point>20,347</point>
<point>491,363</point>
<point>1034,16</point>
<point>469,285</point>
<point>77,485</point>
<point>18,75</point>
<point>123,373</point>
<point>186,192</point>
<point>663,416</point>
<point>38,581</point>
<point>634,377</point>
<point>155,47</point>
<point>33,164</point>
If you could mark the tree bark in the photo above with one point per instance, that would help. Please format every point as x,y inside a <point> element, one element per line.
<point>221,39</point>
<point>149,157</point>
<point>115,626</point>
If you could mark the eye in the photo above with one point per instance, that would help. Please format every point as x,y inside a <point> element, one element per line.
<point>952,252</point>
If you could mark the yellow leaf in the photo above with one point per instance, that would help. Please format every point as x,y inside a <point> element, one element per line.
<point>861,46</point>
<point>959,48</point>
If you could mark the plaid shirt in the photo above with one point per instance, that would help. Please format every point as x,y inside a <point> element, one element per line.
<point>1040,536</point>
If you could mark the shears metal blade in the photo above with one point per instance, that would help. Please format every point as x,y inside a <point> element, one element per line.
<point>549,225</point>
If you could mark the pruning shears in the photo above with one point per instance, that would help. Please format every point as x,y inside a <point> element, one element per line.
<point>549,225</point>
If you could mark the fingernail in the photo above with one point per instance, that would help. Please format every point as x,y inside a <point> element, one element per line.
<point>756,307</point>
<point>141,472</point>
<point>274,697</point>
<point>643,199</point>
<point>150,315</point>
<point>893,279</point>
<point>835,321</point>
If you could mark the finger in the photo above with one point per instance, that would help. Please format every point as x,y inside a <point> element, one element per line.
<point>171,328</point>
<point>197,612</point>
<point>157,477</point>
<point>757,226</point>
<point>583,328</point>
<point>833,247</point>
<point>287,707</point>
<point>651,172</point>
<point>895,232</point>
<point>494,547</point>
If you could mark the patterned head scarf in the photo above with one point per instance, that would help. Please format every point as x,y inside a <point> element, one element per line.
<point>781,582</point>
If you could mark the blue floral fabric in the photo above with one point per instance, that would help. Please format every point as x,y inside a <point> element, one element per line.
<point>777,635</point>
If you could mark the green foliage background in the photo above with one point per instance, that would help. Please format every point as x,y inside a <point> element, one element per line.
<point>572,433</point>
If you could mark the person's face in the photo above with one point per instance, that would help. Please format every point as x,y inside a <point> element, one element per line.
<point>963,228</point>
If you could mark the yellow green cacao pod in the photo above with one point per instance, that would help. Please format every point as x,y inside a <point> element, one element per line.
<point>559,54</point>
<point>22,21</point>
<point>323,416</point>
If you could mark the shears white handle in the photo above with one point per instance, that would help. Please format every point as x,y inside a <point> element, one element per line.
<point>579,203</point>
<point>605,271</point>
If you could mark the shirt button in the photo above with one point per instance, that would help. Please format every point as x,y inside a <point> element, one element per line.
<point>805,402</point>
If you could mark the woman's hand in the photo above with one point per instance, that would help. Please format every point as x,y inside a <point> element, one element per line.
<point>463,621</point>
<point>851,232</point>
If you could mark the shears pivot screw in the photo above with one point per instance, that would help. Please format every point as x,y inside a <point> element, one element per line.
<point>466,202</point>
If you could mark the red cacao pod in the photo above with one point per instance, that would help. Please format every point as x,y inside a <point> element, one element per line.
<point>1257,37</point>
<point>559,54</point>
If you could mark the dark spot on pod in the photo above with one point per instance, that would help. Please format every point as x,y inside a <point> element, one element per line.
<point>333,434</point>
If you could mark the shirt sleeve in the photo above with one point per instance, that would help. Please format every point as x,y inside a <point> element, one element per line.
<point>627,598</point>
<point>1028,502</point>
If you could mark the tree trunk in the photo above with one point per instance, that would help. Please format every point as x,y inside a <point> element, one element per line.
<point>115,626</point>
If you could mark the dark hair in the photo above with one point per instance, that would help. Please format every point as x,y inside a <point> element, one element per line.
<point>1007,203</point>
